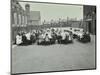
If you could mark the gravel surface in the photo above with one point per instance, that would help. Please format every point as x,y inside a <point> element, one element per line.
<point>34,58</point>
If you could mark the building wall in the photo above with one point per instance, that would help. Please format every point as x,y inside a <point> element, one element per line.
<point>89,19</point>
<point>27,12</point>
<point>17,14</point>
<point>34,22</point>
<point>35,17</point>
<point>18,18</point>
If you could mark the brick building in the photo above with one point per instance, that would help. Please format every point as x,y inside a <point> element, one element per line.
<point>22,19</point>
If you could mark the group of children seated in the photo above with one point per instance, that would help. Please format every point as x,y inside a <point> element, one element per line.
<point>51,36</point>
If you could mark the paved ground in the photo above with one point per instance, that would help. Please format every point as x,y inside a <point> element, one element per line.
<point>56,57</point>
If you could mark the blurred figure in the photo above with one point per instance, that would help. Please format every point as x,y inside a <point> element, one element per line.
<point>33,37</point>
<point>28,38</point>
<point>24,39</point>
<point>85,37</point>
<point>47,40</point>
<point>18,39</point>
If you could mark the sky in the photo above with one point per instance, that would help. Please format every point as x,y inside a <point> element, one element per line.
<point>55,11</point>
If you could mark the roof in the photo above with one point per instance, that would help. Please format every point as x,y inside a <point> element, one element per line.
<point>34,15</point>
